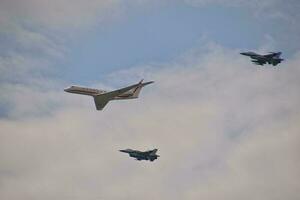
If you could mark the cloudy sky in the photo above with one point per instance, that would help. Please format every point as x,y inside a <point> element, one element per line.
<point>225,128</point>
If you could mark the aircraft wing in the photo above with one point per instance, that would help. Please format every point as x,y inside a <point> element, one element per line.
<point>259,62</point>
<point>102,99</point>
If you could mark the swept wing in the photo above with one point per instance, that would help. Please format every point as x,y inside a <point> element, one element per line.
<point>102,99</point>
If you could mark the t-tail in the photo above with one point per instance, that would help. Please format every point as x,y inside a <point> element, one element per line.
<point>139,87</point>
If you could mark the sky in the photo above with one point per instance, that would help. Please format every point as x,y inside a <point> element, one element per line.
<point>225,128</point>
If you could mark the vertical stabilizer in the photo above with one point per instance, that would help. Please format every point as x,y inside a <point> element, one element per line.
<point>153,152</point>
<point>138,89</point>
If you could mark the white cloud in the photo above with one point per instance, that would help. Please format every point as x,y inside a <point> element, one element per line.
<point>220,123</point>
<point>224,128</point>
<point>273,9</point>
<point>35,34</point>
<point>34,31</point>
<point>282,14</point>
<point>58,12</point>
<point>263,166</point>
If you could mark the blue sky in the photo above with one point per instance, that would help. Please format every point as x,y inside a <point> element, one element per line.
<point>161,34</point>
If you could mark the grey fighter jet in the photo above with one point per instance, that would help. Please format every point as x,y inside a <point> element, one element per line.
<point>271,58</point>
<point>142,155</point>
<point>102,97</point>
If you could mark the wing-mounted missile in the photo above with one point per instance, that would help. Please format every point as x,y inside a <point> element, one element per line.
<point>257,62</point>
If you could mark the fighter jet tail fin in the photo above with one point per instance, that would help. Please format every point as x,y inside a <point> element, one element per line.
<point>276,54</point>
<point>153,152</point>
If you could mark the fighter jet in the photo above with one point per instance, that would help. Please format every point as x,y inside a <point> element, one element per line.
<point>140,155</point>
<point>271,58</point>
<point>102,97</point>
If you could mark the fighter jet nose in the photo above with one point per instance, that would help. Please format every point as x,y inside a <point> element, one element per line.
<point>126,150</point>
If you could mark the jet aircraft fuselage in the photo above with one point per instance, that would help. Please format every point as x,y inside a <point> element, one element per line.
<point>84,91</point>
<point>95,92</point>
<point>102,97</point>
<point>142,155</point>
<point>271,58</point>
